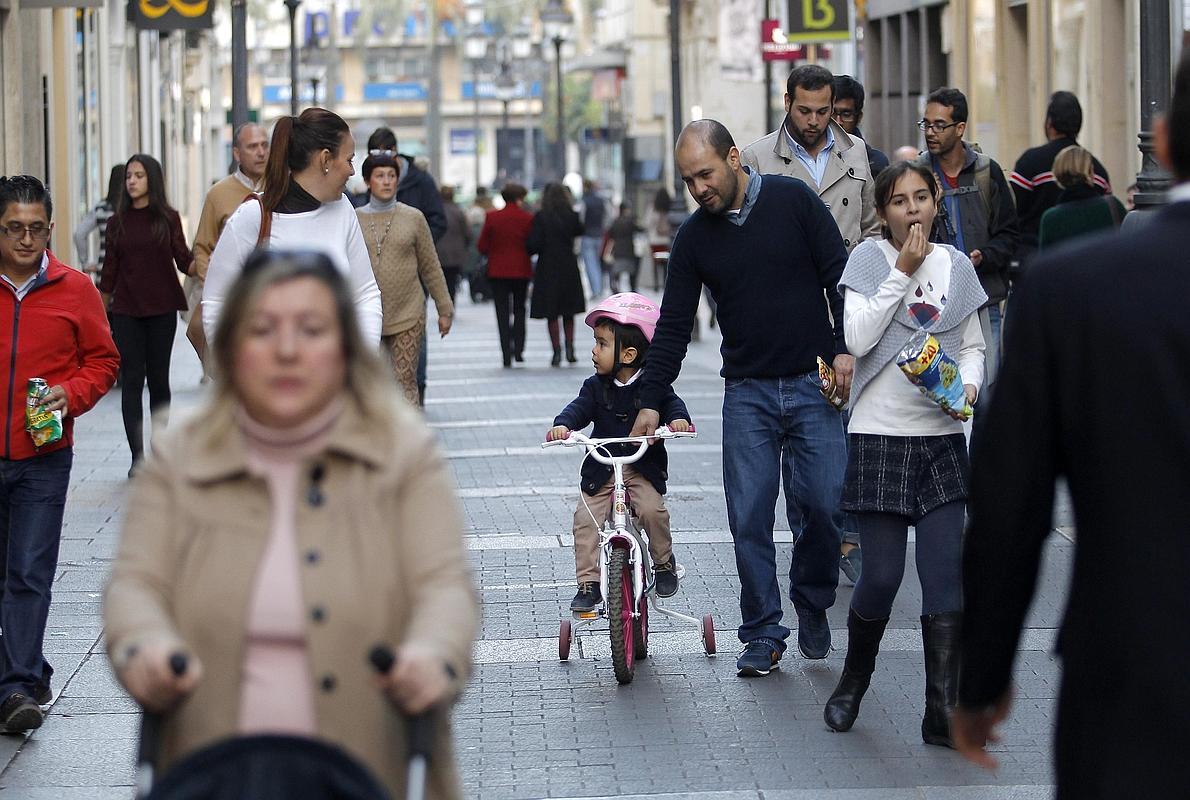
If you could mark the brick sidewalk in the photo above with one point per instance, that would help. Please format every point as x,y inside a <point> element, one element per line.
<point>529,726</point>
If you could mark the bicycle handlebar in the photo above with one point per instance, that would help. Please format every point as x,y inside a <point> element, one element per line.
<point>597,451</point>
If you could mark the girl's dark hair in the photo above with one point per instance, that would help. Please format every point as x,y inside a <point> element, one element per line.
<point>886,184</point>
<point>115,185</point>
<point>626,336</point>
<point>27,190</point>
<point>554,199</point>
<point>511,192</point>
<point>375,162</point>
<point>662,201</point>
<point>159,208</point>
<point>296,140</point>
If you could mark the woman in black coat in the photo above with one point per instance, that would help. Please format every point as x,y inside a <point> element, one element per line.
<point>557,285</point>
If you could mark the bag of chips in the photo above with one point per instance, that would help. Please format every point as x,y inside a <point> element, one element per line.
<point>829,387</point>
<point>935,373</point>
<point>45,427</point>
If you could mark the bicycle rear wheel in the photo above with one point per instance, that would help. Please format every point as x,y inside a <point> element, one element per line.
<point>619,615</point>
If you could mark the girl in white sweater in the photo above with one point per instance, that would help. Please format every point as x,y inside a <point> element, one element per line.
<point>310,160</point>
<point>907,457</point>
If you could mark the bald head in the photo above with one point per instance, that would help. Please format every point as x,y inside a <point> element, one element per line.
<point>906,152</point>
<point>709,163</point>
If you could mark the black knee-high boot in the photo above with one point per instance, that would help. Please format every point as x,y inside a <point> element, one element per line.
<point>863,642</point>
<point>940,635</point>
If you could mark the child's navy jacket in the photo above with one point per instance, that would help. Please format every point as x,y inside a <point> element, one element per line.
<point>613,409</point>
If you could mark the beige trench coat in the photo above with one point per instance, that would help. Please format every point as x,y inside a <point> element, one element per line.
<point>847,189</point>
<point>382,562</point>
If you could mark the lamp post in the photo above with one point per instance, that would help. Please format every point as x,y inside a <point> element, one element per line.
<point>292,5</point>
<point>1152,181</point>
<point>475,47</point>
<point>556,20</point>
<point>239,63</point>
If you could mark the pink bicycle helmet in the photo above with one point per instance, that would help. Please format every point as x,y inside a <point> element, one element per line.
<point>628,308</point>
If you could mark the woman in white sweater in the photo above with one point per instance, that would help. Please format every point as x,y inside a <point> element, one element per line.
<point>310,160</point>
<point>907,457</point>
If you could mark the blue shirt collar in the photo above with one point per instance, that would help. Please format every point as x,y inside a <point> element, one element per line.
<point>751,192</point>
<point>803,152</point>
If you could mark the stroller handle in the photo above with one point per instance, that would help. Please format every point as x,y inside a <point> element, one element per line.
<point>421,728</point>
<point>148,750</point>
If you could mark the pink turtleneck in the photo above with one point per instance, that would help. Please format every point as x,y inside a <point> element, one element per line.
<point>275,695</point>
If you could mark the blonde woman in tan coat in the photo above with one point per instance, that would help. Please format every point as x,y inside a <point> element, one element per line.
<point>300,518</point>
<point>404,260</point>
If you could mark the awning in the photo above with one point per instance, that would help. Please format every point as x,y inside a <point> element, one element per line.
<point>593,62</point>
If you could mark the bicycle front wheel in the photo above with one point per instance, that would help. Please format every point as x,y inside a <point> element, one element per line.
<point>619,614</point>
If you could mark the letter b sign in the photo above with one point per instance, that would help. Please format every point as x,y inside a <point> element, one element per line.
<point>813,21</point>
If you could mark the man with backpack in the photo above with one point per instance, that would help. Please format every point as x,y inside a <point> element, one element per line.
<point>977,215</point>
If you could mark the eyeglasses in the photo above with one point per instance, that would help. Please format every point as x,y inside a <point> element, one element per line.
<point>17,232</point>
<point>389,153</point>
<point>937,127</point>
<point>846,114</point>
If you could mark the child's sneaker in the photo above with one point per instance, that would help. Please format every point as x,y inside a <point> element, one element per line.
<point>666,577</point>
<point>588,597</point>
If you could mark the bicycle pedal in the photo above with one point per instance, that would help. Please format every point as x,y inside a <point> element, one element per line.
<point>586,614</point>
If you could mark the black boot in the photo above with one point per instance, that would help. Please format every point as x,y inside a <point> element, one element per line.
<point>570,356</point>
<point>863,642</point>
<point>557,359</point>
<point>940,634</point>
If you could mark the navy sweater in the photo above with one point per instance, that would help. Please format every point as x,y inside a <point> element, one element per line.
<point>767,276</point>
<point>613,410</point>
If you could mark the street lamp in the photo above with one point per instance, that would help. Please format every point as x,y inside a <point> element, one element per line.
<point>292,5</point>
<point>475,48</point>
<point>555,21</point>
<point>1152,181</point>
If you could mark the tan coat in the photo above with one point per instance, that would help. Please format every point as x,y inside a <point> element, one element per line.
<point>221,202</point>
<point>382,562</point>
<point>848,188</point>
<point>408,254</point>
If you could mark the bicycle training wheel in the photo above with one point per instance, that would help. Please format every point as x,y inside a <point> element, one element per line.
<point>619,615</point>
<point>565,637</point>
<point>708,635</point>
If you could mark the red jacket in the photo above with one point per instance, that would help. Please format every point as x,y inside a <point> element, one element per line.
<point>58,332</point>
<point>503,239</point>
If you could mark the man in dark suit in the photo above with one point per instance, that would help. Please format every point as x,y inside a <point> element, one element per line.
<point>1094,386</point>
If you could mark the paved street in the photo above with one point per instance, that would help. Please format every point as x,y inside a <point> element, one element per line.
<point>531,727</point>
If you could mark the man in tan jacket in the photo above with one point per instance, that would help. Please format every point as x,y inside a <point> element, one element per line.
<point>250,149</point>
<point>811,147</point>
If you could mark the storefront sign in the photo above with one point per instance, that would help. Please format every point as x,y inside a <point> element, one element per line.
<point>812,21</point>
<point>171,15</point>
<point>775,45</point>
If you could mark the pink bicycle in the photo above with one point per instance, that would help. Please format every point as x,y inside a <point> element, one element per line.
<point>625,571</point>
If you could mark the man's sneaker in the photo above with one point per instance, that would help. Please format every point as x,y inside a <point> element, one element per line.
<point>19,714</point>
<point>813,634</point>
<point>588,597</point>
<point>850,563</point>
<point>666,578</point>
<point>760,657</point>
<point>43,694</point>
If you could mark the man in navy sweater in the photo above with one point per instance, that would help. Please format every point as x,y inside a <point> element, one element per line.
<point>767,249</point>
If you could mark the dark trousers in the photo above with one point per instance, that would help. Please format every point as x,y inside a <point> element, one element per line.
<point>145,345</point>
<point>32,497</point>
<point>509,294</point>
<point>452,279</point>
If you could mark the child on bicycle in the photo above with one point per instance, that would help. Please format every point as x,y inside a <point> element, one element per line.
<point>623,325</point>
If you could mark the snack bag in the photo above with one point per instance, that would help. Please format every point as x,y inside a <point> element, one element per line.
<point>45,427</point>
<point>829,388</point>
<point>935,373</point>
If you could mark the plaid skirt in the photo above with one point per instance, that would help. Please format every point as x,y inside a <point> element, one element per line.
<point>905,475</point>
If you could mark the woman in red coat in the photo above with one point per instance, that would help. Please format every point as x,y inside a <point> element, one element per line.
<point>502,240</point>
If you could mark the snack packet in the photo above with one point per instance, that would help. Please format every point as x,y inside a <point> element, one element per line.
<point>829,388</point>
<point>935,373</point>
<point>45,427</point>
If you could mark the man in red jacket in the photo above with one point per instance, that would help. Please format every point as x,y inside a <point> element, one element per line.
<point>52,326</point>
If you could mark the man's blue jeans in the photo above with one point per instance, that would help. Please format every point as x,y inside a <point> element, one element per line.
<point>590,246</point>
<point>32,498</point>
<point>768,421</point>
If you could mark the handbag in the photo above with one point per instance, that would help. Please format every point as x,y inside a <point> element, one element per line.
<point>640,244</point>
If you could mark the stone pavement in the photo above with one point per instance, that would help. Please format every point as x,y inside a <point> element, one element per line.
<point>529,726</point>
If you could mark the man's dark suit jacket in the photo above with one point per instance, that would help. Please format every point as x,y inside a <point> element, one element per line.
<point>1095,387</point>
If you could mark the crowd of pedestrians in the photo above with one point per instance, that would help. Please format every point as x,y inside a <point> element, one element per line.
<point>822,257</point>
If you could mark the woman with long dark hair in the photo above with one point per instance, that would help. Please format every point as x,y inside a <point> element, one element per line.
<point>144,244</point>
<point>303,207</point>
<point>97,221</point>
<point>557,285</point>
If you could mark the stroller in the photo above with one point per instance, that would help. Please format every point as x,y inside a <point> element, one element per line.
<point>274,767</point>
